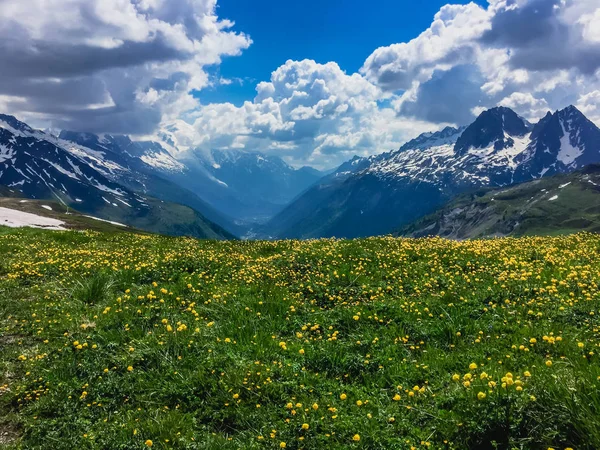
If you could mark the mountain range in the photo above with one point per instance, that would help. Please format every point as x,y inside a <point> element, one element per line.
<point>43,166</point>
<point>231,188</point>
<point>159,186</point>
<point>116,178</point>
<point>250,187</point>
<point>376,195</point>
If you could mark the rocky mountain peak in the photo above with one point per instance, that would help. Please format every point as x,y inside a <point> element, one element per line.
<point>494,127</point>
<point>16,124</point>
<point>448,135</point>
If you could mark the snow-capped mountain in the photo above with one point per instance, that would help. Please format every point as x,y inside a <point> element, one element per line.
<point>144,167</point>
<point>484,153</point>
<point>238,187</point>
<point>231,188</point>
<point>117,178</point>
<point>447,136</point>
<point>125,152</point>
<point>375,195</point>
<point>560,142</point>
<point>40,164</point>
<point>90,179</point>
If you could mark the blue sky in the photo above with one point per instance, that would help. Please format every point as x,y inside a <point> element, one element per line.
<point>344,31</point>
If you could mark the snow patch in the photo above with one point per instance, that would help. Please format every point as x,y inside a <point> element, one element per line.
<point>16,219</point>
<point>12,130</point>
<point>564,185</point>
<point>6,153</point>
<point>49,208</point>
<point>551,199</point>
<point>104,188</point>
<point>61,169</point>
<point>162,161</point>
<point>124,202</point>
<point>567,153</point>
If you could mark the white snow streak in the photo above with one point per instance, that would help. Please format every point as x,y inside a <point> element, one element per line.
<point>567,153</point>
<point>107,221</point>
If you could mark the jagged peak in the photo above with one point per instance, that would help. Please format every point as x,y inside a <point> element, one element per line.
<point>446,136</point>
<point>121,140</point>
<point>571,109</point>
<point>15,123</point>
<point>249,157</point>
<point>112,142</point>
<point>491,127</point>
<point>572,113</point>
<point>567,114</point>
<point>498,110</point>
<point>505,113</point>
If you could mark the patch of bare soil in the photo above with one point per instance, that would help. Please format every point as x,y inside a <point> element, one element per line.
<point>9,433</point>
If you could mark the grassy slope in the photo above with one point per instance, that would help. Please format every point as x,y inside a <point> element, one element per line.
<point>167,218</point>
<point>73,220</point>
<point>524,209</point>
<point>163,217</point>
<point>112,340</point>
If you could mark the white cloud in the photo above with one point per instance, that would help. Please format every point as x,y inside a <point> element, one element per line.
<point>591,25</point>
<point>526,104</point>
<point>449,41</point>
<point>469,59</point>
<point>534,54</point>
<point>309,113</point>
<point>589,104</point>
<point>109,65</point>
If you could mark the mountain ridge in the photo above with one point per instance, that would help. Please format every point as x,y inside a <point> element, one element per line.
<point>255,195</point>
<point>380,193</point>
<point>42,166</point>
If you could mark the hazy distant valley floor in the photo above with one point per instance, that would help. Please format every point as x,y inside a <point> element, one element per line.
<point>124,341</point>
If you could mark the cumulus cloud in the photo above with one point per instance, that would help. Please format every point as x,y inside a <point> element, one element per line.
<point>109,65</point>
<point>437,99</point>
<point>543,35</point>
<point>449,41</point>
<point>526,104</point>
<point>589,104</point>
<point>533,54</point>
<point>309,113</point>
